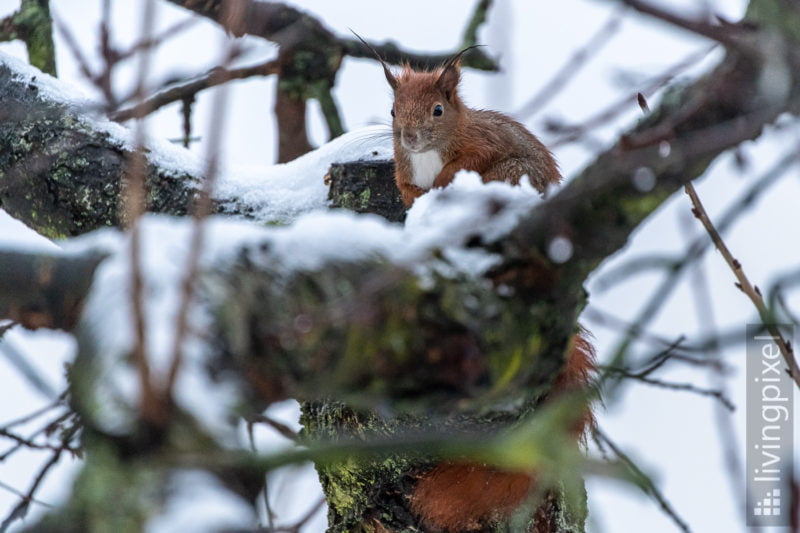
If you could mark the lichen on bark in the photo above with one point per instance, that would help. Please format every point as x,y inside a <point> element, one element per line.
<point>61,174</point>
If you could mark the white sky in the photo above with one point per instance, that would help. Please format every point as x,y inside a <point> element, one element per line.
<point>672,434</point>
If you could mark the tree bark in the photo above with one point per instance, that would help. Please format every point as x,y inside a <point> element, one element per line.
<point>62,174</point>
<point>366,187</point>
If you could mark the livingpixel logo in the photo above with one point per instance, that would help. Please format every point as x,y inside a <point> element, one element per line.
<point>770,505</point>
<point>770,447</point>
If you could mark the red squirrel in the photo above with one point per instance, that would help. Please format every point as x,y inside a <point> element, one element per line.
<point>435,136</point>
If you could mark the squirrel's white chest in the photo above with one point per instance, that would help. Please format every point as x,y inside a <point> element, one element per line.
<point>425,166</point>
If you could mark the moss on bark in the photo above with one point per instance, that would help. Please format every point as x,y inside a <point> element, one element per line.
<point>61,175</point>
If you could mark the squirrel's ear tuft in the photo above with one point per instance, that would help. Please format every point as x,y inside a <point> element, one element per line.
<point>448,79</point>
<point>388,73</point>
<point>451,73</point>
<point>389,76</point>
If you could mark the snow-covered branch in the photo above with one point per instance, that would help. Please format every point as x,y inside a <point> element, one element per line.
<point>64,165</point>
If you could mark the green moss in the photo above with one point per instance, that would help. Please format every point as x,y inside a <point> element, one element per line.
<point>35,27</point>
<point>638,207</point>
<point>356,202</point>
<point>780,15</point>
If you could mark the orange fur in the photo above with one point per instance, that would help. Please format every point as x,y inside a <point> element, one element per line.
<point>456,497</point>
<point>487,142</point>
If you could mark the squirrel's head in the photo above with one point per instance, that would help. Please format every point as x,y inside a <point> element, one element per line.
<point>426,108</point>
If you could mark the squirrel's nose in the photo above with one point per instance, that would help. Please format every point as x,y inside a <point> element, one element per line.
<point>410,139</point>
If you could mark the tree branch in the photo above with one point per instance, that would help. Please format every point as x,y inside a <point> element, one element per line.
<point>726,35</point>
<point>45,291</point>
<point>744,285</point>
<point>188,89</point>
<point>309,59</point>
<point>33,25</point>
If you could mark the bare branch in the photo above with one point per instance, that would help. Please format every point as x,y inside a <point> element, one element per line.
<point>21,509</point>
<point>282,429</point>
<point>644,482</point>
<point>688,387</point>
<point>728,35</point>
<point>188,89</point>
<point>203,208</point>
<point>573,132</point>
<point>728,439</point>
<point>744,284</point>
<point>20,362</point>
<point>571,67</point>
<point>477,20</point>
<point>152,408</point>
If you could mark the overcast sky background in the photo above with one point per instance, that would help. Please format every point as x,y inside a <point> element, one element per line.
<point>672,434</point>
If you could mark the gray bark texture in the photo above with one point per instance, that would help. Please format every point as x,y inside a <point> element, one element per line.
<point>61,175</point>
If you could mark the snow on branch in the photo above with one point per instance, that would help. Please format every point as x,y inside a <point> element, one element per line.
<point>426,255</point>
<point>63,164</point>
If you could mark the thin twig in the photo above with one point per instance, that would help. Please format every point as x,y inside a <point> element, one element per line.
<point>150,404</point>
<point>298,526</point>
<point>112,57</point>
<point>187,104</point>
<point>744,284</point>
<point>27,443</point>
<point>645,483</point>
<point>16,492</point>
<point>658,361</point>
<point>35,414</point>
<point>189,89</point>
<point>80,59</point>
<point>571,67</point>
<point>726,432</point>
<point>22,363</point>
<point>572,133</point>
<point>265,492</point>
<point>21,509</point>
<point>698,247</point>
<point>153,42</point>
<point>46,428</point>
<point>688,387</point>
<point>203,208</point>
<point>281,428</point>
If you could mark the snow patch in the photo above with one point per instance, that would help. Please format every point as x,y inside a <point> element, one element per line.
<point>283,192</point>
<point>108,318</point>
<point>439,225</point>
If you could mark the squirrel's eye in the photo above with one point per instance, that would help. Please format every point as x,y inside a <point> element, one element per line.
<point>392,111</point>
<point>438,110</point>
